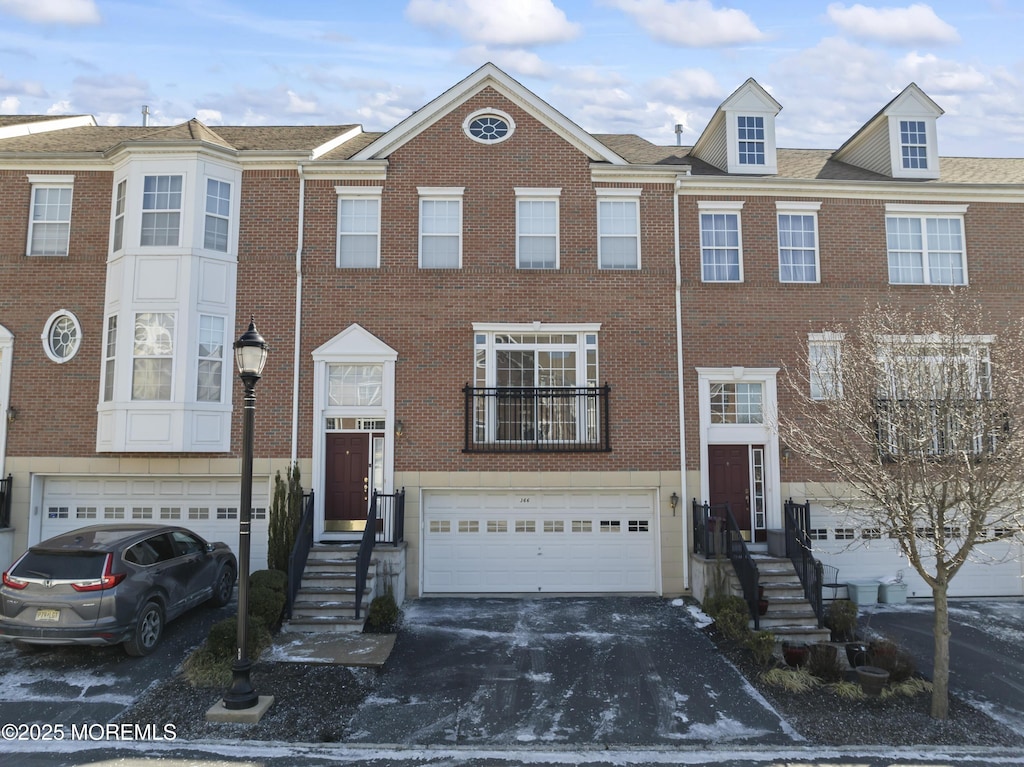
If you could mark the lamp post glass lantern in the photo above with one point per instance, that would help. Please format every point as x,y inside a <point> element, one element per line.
<point>250,356</point>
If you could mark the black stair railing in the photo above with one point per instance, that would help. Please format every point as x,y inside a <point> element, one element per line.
<point>717,533</point>
<point>799,549</point>
<point>300,552</point>
<point>384,524</point>
<point>5,501</point>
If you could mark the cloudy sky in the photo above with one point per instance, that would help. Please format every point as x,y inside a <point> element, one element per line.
<point>613,66</point>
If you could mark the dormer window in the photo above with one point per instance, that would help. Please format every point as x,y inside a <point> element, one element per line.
<point>750,134</point>
<point>913,144</point>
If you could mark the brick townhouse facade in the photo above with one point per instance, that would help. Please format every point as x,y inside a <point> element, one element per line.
<point>552,340</point>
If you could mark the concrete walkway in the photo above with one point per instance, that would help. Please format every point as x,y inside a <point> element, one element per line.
<point>614,671</point>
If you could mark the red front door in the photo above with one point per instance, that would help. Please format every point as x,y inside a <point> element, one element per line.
<point>729,481</point>
<point>347,482</point>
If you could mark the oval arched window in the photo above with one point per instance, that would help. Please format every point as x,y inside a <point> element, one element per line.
<point>62,336</point>
<point>489,126</point>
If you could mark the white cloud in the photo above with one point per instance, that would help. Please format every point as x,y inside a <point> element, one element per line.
<point>53,11</point>
<point>689,85</point>
<point>60,108</point>
<point>690,23</point>
<point>497,22</point>
<point>10,105</point>
<point>916,23</point>
<point>210,116</point>
<point>298,105</point>
<point>515,61</point>
<point>937,75</point>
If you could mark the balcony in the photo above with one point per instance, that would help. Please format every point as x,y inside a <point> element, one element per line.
<point>554,419</point>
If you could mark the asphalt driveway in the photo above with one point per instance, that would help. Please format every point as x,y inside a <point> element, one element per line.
<point>603,670</point>
<point>80,685</point>
<point>986,649</point>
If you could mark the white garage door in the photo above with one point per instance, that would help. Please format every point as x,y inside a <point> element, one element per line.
<point>207,505</point>
<point>549,541</point>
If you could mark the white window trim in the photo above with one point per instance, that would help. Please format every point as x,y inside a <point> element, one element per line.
<point>45,336</point>
<point>439,193</point>
<point>207,215</point>
<point>37,180</point>
<point>173,356</point>
<point>721,206</point>
<point>802,208</point>
<point>896,151</point>
<point>751,434</point>
<point>181,209</point>
<point>771,165</point>
<point>603,195</point>
<point>484,113</point>
<point>357,193</point>
<point>6,357</point>
<point>541,195</point>
<point>824,340</point>
<point>923,212</point>
<point>115,216</point>
<point>225,362</point>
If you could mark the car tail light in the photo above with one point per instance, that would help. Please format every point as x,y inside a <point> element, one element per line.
<point>14,583</point>
<point>106,581</point>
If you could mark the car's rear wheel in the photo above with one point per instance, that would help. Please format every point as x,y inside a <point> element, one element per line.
<point>223,587</point>
<point>148,630</point>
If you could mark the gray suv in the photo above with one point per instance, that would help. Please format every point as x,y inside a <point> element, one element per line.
<point>108,584</point>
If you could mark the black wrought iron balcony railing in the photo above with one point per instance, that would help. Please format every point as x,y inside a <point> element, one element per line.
<point>556,419</point>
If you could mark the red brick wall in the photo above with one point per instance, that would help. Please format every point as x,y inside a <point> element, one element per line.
<point>763,323</point>
<point>56,404</point>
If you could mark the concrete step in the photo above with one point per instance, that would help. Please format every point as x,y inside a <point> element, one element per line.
<point>333,580</point>
<point>325,593</point>
<point>798,633</point>
<point>324,625</point>
<point>327,609</point>
<point>789,618</point>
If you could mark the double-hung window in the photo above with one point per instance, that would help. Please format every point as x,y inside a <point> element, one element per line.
<point>798,241</point>
<point>618,228</point>
<point>210,359</point>
<point>153,356</point>
<point>120,193</point>
<point>218,215</point>
<point>721,244</point>
<point>750,135</point>
<point>824,365</point>
<point>536,389</point>
<point>926,244</point>
<point>50,221</point>
<point>537,228</point>
<point>440,227</point>
<point>358,227</point>
<point>913,144</point>
<point>110,358</point>
<point>161,210</point>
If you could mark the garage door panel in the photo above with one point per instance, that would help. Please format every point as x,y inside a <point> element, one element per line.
<point>549,541</point>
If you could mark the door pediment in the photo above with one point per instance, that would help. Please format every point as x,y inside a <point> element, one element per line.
<point>355,343</point>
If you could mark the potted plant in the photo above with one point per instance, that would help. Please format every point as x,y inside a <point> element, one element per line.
<point>841,620</point>
<point>872,679</point>
<point>857,654</point>
<point>762,601</point>
<point>795,653</point>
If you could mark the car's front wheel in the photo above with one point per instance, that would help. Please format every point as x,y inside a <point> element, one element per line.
<point>148,630</point>
<point>222,588</point>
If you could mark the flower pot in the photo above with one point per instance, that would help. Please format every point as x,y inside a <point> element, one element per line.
<point>795,653</point>
<point>762,606</point>
<point>856,654</point>
<point>824,654</point>
<point>872,679</point>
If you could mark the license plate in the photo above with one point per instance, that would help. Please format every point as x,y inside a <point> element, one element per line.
<point>48,615</point>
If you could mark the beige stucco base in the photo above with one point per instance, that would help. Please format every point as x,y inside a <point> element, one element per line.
<point>674,569</point>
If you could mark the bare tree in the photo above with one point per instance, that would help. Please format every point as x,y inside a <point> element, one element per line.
<point>917,417</point>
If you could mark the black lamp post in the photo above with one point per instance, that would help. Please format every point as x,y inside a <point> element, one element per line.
<point>250,356</point>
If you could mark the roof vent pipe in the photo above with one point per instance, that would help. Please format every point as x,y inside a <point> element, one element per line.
<point>145,115</point>
<point>679,134</point>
